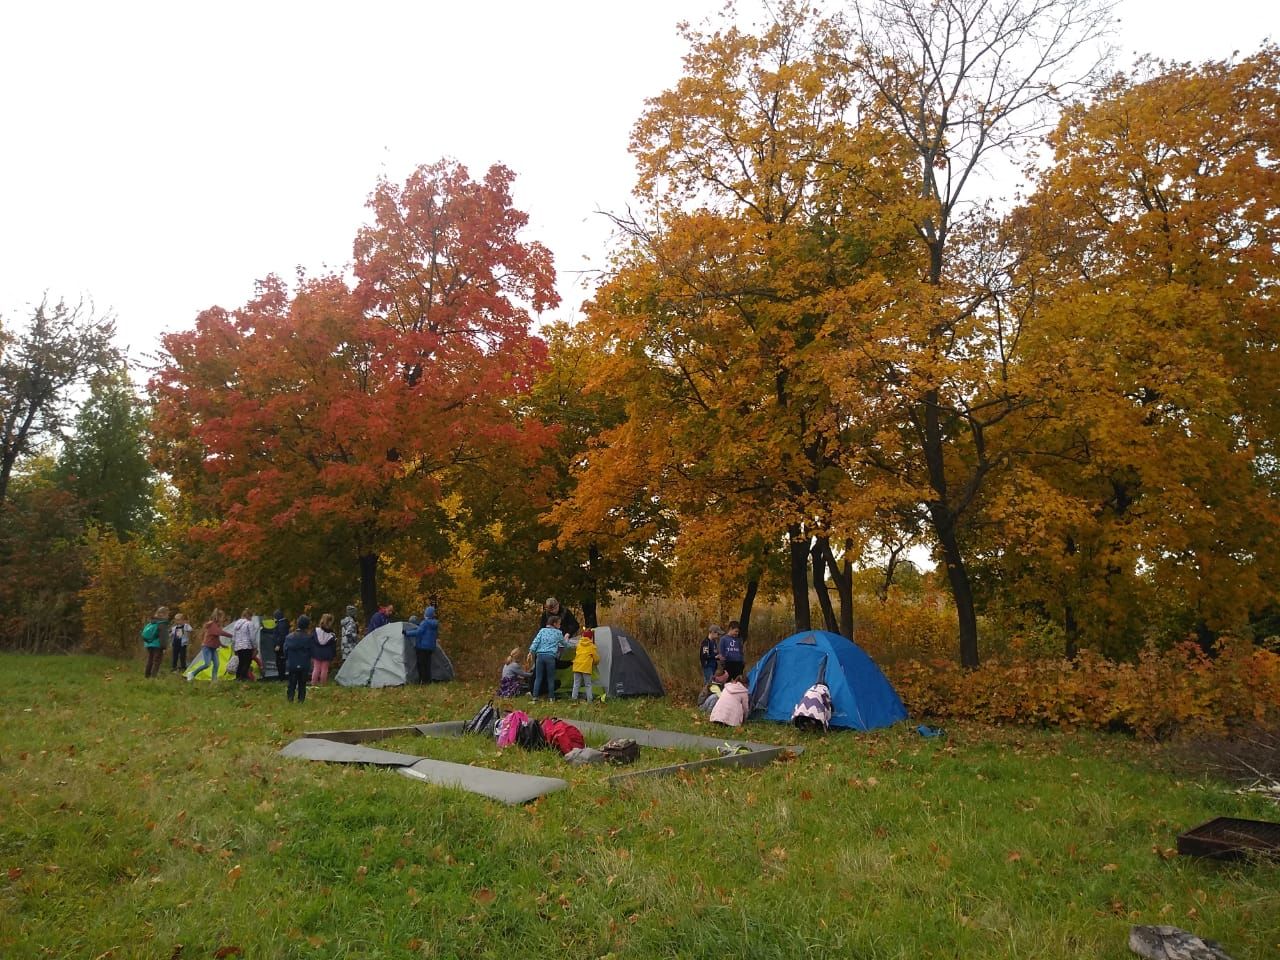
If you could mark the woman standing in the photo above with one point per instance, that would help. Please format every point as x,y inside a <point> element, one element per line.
<point>154,636</point>
<point>242,644</point>
<point>323,652</point>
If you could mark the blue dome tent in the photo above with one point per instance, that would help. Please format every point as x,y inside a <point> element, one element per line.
<point>862,698</point>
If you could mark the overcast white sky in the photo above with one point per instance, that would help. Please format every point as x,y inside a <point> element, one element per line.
<point>159,158</point>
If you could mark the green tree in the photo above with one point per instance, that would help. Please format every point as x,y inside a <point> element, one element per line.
<point>61,347</point>
<point>104,461</point>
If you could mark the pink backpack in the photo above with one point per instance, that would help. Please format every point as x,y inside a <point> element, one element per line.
<point>509,726</point>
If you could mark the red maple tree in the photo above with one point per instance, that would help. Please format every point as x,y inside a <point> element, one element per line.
<point>313,430</point>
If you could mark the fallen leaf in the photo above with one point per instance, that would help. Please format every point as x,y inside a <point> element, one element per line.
<point>15,873</point>
<point>483,895</point>
<point>222,952</point>
<point>1013,857</point>
<point>234,873</point>
<point>414,944</point>
<point>274,846</point>
<point>1110,868</point>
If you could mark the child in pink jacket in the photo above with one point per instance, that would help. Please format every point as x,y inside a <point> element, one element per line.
<point>731,709</point>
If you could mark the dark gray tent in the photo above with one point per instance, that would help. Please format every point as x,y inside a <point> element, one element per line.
<point>385,658</point>
<point>625,669</point>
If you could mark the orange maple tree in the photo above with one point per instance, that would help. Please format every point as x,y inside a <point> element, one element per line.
<point>316,428</point>
<point>1150,480</point>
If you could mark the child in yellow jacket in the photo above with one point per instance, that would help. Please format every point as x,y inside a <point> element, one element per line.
<point>584,662</point>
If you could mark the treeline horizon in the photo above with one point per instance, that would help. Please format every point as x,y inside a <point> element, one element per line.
<point>816,352</point>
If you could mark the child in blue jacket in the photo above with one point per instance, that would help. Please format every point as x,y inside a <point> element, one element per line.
<point>546,644</point>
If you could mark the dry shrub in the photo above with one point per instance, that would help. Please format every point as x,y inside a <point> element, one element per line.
<point>1164,692</point>
<point>671,628</point>
<point>902,626</point>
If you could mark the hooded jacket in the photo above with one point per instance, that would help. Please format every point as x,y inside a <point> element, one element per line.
<point>298,647</point>
<point>425,633</point>
<point>731,708</point>
<point>586,656</point>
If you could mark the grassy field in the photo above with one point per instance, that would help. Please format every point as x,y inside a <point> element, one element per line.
<point>153,819</point>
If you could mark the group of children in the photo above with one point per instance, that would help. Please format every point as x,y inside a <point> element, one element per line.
<point>724,670</point>
<point>303,655</point>
<point>538,674</point>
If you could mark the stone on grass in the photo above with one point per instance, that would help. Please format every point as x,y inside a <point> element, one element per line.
<point>1170,943</point>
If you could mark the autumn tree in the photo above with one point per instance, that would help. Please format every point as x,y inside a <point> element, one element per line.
<point>770,220</point>
<point>964,83</point>
<point>1151,483</point>
<point>42,560</point>
<point>509,507</point>
<point>319,427</point>
<point>61,347</point>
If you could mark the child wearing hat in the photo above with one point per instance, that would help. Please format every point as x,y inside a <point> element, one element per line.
<point>585,659</point>
<point>350,632</point>
<point>709,650</point>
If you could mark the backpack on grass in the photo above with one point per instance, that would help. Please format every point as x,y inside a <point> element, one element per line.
<point>484,722</point>
<point>506,729</point>
<point>530,735</point>
<point>621,751</point>
<point>562,735</point>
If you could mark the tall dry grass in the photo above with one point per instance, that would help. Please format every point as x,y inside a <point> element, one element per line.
<point>670,628</point>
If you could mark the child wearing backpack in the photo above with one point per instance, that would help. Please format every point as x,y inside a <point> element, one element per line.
<point>585,659</point>
<point>154,636</point>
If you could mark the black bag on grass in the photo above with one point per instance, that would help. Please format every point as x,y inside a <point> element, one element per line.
<point>484,721</point>
<point>530,735</point>
<point>621,750</point>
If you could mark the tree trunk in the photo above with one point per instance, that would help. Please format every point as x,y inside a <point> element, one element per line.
<point>961,589</point>
<point>369,584</point>
<point>944,527</point>
<point>818,553</point>
<point>844,586</point>
<point>1072,630</point>
<point>799,543</point>
<point>744,616</point>
<point>591,596</point>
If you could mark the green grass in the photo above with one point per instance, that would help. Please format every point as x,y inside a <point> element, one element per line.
<point>154,819</point>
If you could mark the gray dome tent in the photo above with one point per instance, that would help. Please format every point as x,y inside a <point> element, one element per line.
<point>625,669</point>
<point>385,658</point>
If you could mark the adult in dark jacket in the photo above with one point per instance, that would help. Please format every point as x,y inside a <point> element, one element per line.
<point>568,622</point>
<point>381,617</point>
<point>275,629</point>
<point>425,635</point>
<point>297,650</point>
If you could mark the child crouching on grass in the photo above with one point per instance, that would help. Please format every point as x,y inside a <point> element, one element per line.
<point>584,662</point>
<point>515,679</point>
